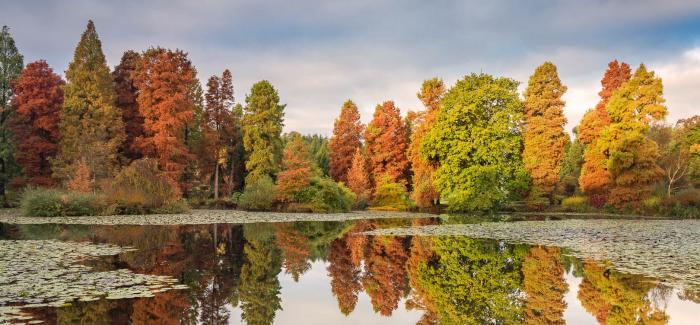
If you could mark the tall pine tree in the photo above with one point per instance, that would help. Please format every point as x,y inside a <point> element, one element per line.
<point>544,138</point>
<point>127,93</point>
<point>347,134</point>
<point>91,126</point>
<point>11,63</point>
<point>262,129</point>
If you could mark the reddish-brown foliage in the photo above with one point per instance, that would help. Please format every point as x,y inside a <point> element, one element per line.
<point>345,275</point>
<point>37,101</point>
<point>385,273</point>
<point>347,133</point>
<point>357,243</point>
<point>386,141</point>
<point>123,76</point>
<point>424,192</point>
<point>164,79</point>
<point>358,177</point>
<point>297,169</point>
<point>81,180</point>
<point>295,249</point>
<point>595,178</point>
<point>421,252</point>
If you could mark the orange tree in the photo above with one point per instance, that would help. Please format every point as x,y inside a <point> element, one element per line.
<point>347,133</point>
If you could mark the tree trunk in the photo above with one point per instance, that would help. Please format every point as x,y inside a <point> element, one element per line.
<point>216,182</point>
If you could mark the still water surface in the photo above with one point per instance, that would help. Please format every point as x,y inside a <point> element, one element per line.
<point>329,273</point>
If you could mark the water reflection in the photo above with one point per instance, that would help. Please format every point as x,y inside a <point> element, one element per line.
<point>236,273</point>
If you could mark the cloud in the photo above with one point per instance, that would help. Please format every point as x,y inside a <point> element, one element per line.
<point>681,79</point>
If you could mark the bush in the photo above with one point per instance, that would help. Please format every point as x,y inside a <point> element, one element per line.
<point>57,203</point>
<point>258,195</point>
<point>391,196</point>
<point>329,196</point>
<point>141,188</point>
<point>575,204</point>
<point>684,204</point>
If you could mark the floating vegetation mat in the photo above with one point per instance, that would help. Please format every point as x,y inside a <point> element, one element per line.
<point>200,217</point>
<point>47,273</point>
<point>668,250</point>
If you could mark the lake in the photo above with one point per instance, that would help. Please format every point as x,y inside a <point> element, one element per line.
<point>374,269</point>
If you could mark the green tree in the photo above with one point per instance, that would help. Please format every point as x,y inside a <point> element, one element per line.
<point>473,281</point>
<point>544,137</point>
<point>91,125</point>
<point>477,143</point>
<point>262,128</point>
<point>571,167</point>
<point>260,288</point>
<point>631,154</point>
<point>11,64</point>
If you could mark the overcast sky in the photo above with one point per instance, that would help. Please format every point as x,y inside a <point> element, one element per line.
<point>320,53</point>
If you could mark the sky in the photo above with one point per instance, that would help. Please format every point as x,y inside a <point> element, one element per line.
<point>320,53</point>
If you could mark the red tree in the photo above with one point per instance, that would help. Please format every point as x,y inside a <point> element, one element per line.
<point>164,80</point>
<point>124,85</point>
<point>297,168</point>
<point>347,133</point>
<point>38,100</point>
<point>219,126</point>
<point>386,140</point>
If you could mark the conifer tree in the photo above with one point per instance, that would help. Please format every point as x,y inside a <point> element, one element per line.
<point>219,126</point>
<point>595,178</point>
<point>164,80</point>
<point>262,129</point>
<point>386,143</point>
<point>631,155</point>
<point>81,180</point>
<point>37,101</point>
<point>11,63</point>
<point>358,177</point>
<point>544,137</point>
<point>91,126</point>
<point>127,93</point>
<point>424,192</point>
<point>347,134</point>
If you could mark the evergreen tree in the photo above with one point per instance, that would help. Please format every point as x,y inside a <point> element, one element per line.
<point>386,143</point>
<point>262,129</point>
<point>347,134</point>
<point>91,125</point>
<point>127,93</point>
<point>477,143</point>
<point>37,101</point>
<point>544,137</point>
<point>595,179</point>
<point>424,192</point>
<point>11,63</point>
<point>631,155</point>
<point>164,81</point>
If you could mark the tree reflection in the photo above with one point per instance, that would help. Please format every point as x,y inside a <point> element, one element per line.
<point>544,285</point>
<point>345,275</point>
<point>260,288</point>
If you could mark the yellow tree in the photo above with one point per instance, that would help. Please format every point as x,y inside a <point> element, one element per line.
<point>544,137</point>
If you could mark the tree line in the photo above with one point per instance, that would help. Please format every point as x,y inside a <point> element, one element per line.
<point>478,145</point>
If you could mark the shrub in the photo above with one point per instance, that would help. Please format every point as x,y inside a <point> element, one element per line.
<point>575,204</point>
<point>141,188</point>
<point>597,200</point>
<point>391,196</point>
<point>652,203</point>
<point>684,204</point>
<point>56,203</point>
<point>329,196</point>
<point>258,195</point>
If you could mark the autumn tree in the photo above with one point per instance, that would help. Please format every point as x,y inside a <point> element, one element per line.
<point>294,247</point>
<point>631,155</point>
<point>385,273</point>
<point>595,179</point>
<point>164,80</point>
<point>424,192</point>
<point>91,125</point>
<point>347,134</point>
<point>297,168</point>
<point>477,143</point>
<point>127,93</point>
<point>358,177</point>
<point>544,285</point>
<point>345,276</point>
<point>262,124</point>
<point>11,62</point>
<point>80,180</point>
<point>544,138</point>
<point>676,156</point>
<point>219,126</point>
<point>386,143</point>
<point>37,102</point>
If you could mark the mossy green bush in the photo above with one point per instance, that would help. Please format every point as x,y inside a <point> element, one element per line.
<point>575,204</point>
<point>258,195</point>
<point>391,196</point>
<point>58,203</point>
